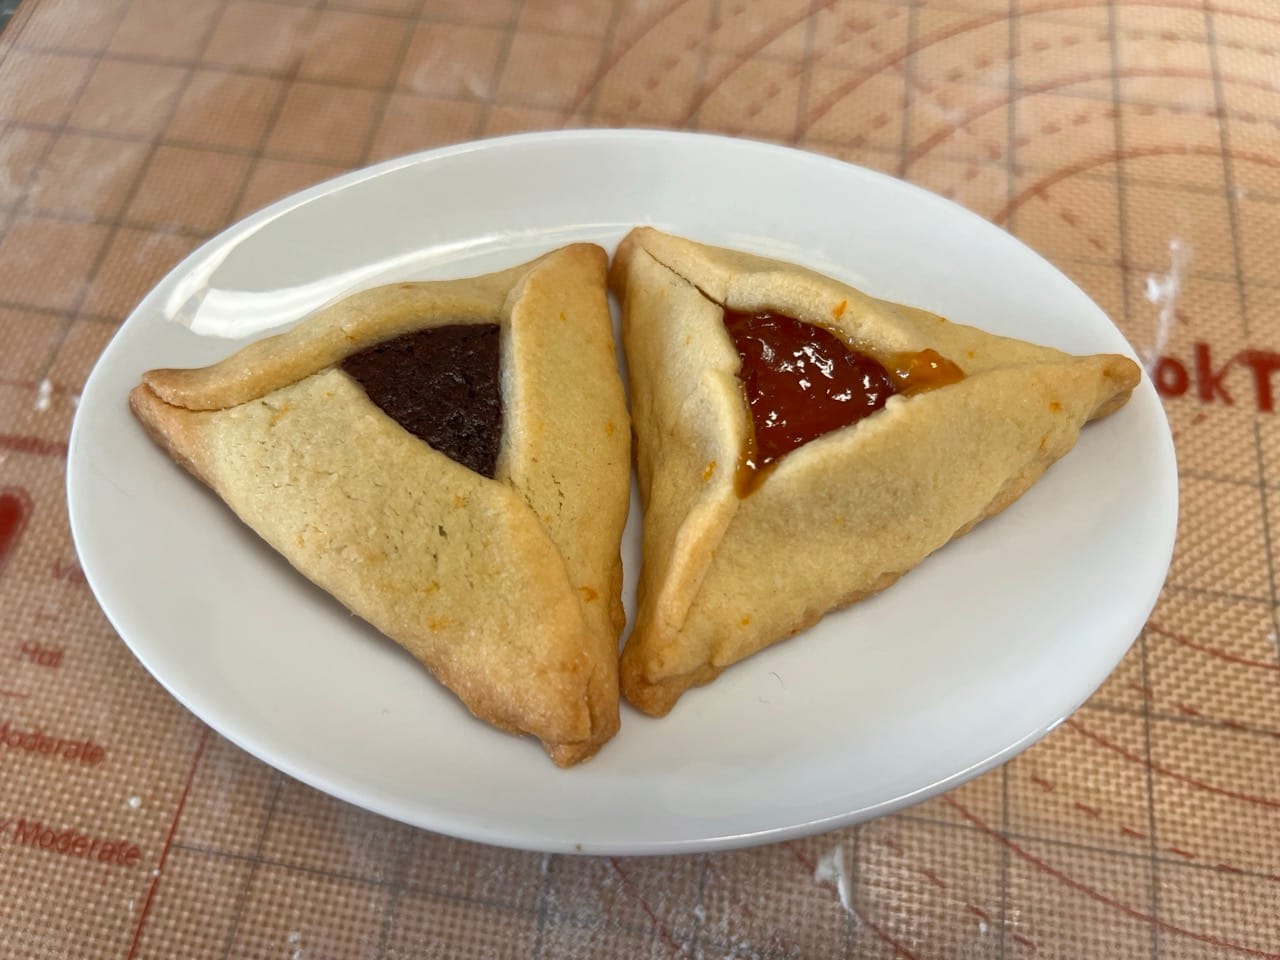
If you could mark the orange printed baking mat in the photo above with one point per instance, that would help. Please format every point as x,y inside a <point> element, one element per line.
<point>1133,144</point>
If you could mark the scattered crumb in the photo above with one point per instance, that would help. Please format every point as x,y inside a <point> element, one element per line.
<point>834,870</point>
<point>134,803</point>
<point>44,395</point>
<point>1163,290</point>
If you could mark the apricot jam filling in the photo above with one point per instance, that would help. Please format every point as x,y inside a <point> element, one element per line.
<point>801,381</point>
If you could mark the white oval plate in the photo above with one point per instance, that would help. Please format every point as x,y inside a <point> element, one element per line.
<point>974,656</point>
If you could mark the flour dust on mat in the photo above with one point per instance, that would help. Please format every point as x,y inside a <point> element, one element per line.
<point>1163,290</point>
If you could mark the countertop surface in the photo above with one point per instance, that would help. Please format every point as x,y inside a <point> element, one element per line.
<point>1132,144</point>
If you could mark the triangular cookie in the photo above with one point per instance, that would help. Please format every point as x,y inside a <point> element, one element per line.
<point>736,559</point>
<point>506,587</point>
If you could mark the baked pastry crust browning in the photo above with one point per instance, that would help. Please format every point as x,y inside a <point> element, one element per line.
<point>507,589</point>
<point>841,517</point>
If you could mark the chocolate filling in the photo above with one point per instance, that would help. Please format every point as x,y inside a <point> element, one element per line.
<point>443,385</point>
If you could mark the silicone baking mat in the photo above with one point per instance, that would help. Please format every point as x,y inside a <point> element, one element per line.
<point>1133,143</point>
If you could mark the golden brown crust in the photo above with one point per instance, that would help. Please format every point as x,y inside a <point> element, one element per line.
<point>484,581</point>
<point>868,502</point>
